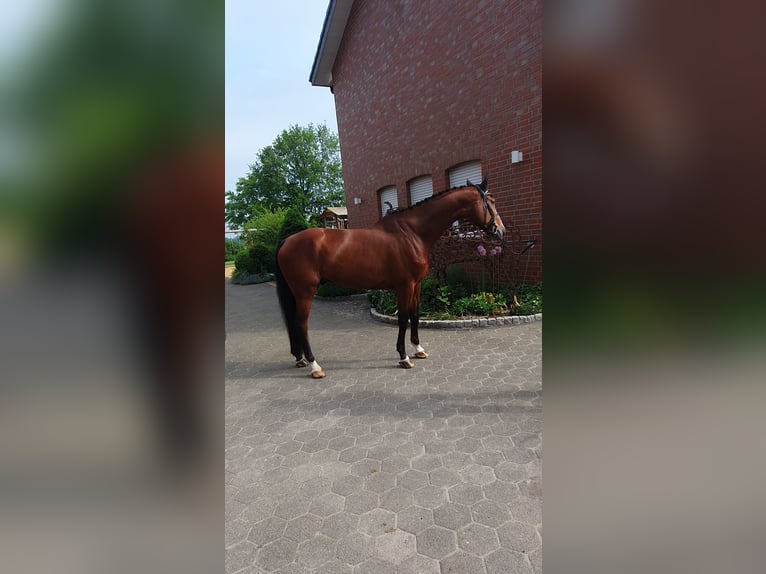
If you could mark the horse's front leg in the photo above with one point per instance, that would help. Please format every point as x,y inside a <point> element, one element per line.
<point>420,352</point>
<point>403,303</point>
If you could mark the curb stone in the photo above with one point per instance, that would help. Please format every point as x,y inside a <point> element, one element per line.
<point>463,323</point>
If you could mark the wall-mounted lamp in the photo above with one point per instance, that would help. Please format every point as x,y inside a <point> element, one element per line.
<point>357,200</point>
<point>516,156</point>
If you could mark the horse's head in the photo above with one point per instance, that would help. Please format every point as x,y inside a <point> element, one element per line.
<point>485,214</point>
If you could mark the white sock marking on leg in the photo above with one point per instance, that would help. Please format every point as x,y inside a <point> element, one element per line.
<point>315,367</point>
<point>419,349</point>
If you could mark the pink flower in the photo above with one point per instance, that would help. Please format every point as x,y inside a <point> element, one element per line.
<point>493,252</point>
<point>481,251</point>
<point>499,250</point>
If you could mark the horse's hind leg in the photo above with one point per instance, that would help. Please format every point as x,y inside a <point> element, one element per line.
<point>303,309</point>
<point>296,346</point>
<point>404,302</point>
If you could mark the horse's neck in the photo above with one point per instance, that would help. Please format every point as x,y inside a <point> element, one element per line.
<point>431,220</point>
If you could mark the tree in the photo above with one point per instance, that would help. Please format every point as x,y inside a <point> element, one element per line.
<point>300,169</point>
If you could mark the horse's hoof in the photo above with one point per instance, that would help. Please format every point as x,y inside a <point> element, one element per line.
<point>406,364</point>
<point>318,374</point>
<point>301,363</point>
<point>421,355</point>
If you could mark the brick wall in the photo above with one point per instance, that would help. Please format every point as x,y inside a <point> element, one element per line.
<point>421,86</point>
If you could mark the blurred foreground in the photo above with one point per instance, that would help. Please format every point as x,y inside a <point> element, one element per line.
<point>111,340</point>
<point>655,271</point>
<point>111,337</point>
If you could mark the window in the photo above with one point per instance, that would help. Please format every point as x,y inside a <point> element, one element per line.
<point>465,171</point>
<point>388,194</point>
<point>421,188</point>
<point>469,170</point>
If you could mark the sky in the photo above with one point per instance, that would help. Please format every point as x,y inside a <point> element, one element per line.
<point>270,48</point>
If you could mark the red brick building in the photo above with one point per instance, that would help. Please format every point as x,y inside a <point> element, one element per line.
<point>427,93</point>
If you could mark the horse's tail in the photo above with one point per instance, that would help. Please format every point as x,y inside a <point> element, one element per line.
<point>287,304</point>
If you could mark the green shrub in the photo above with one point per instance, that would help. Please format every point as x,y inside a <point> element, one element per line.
<point>264,228</point>
<point>257,259</point>
<point>383,301</point>
<point>293,222</point>
<point>439,301</point>
<point>331,289</point>
<point>435,298</point>
<point>530,298</point>
<point>480,304</point>
<point>243,262</point>
<point>458,281</point>
<point>232,248</point>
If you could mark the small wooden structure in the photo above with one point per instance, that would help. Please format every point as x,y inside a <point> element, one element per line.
<point>335,218</point>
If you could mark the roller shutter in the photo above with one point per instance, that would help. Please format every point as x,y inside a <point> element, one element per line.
<point>388,194</point>
<point>459,174</point>
<point>421,188</point>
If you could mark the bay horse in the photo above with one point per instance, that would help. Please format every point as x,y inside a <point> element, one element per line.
<point>393,254</point>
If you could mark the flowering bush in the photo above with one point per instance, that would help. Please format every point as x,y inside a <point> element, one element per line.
<point>440,301</point>
<point>491,264</point>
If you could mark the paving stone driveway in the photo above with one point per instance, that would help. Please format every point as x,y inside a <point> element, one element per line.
<point>377,469</point>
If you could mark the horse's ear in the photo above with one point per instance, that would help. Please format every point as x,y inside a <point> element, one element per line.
<point>483,184</point>
<point>468,183</point>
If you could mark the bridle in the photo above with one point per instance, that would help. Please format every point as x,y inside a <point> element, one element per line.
<point>490,227</point>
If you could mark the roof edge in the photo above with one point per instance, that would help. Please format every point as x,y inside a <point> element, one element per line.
<point>329,42</point>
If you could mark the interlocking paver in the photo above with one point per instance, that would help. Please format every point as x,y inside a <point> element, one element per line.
<point>347,485</point>
<point>379,482</point>
<point>463,563</point>
<point>414,519</point>
<point>327,504</point>
<point>478,539</point>
<point>396,499</point>
<point>452,516</point>
<point>375,566</point>
<point>501,491</point>
<point>395,546</point>
<point>240,556</point>
<point>339,525</point>
<point>292,507</point>
<point>364,467</point>
<point>412,479</point>
<point>377,521</point>
<point>443,477</point>
<point>355,548</point>
<point>466,494</point>
<point>361,502</point>
<point>267,530</point>
<point>519,537</point>
<point>303,527</point>
<point>504,560</point>
<point>419,564</point>
<point>316,551</point>
<point>436,542</point>
<point>276,554</point>
<point>430,496</point>
<point>490,513</point>
<point>377,469</point>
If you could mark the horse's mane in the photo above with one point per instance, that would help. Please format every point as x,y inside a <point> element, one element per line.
<point>398,210</point>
